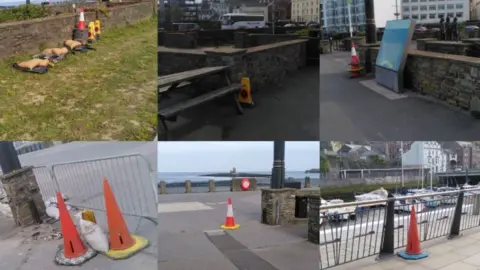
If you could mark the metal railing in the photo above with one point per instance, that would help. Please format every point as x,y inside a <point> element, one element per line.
<point>347,236</point>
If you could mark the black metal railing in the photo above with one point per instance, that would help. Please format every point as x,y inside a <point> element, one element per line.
<point>357,230</point>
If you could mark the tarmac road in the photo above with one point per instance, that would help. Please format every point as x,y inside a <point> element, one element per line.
<point>352,111</point>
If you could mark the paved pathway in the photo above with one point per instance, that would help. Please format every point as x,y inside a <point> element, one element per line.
<point>462,253</point>
<point>189,237</point>
<point>349,110</point>
<point>287,111</point>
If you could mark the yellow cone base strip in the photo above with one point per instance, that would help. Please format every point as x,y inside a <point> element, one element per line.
<point>230,228</point>
<point>140,244</point>
<point>60,258</point>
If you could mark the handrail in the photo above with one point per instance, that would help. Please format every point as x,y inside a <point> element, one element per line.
<point>369,202</point>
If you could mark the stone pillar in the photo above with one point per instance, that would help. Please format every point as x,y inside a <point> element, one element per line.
<point>314,219</point>
<point>278,205</point>
<point>476,205</point>
<point>211,185</point>
<point>163,187</point>
<point>307,182</point>
<point>188,186</point>
<point>24,197</point>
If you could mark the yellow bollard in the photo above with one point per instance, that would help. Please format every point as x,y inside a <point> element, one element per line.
<point>91,32</point>
<point>97,29</point>
<point>88,215</point>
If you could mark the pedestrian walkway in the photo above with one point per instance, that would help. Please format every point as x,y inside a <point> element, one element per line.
<point>352,109</point>
<point>462,253</point>
<point>190,235</point>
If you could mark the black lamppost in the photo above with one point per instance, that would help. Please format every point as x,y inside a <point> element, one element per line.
<point>278,170</point>
<point>370,28</point>
<point>9,161</point>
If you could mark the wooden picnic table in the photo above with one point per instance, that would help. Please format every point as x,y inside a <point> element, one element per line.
<point>190,75</point>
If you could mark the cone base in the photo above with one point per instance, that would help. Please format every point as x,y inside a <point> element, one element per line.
<point>404,255</point>
<point>140,244</point>
<point>236,226</point>
<point>60,258</point>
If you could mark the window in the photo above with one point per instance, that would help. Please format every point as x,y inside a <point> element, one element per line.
<point>406,9</point>
<point>459,14</point>
<point>450,14</point>
<point>414,1</point>
<point>423,0</point>
<point>431,16</point>
<point>423,8</point>
<point>415,8</point>
<point>441,7</point>
<point>450,6</point>
<point>432,7</point>
<point>405,1</point>
<point>459,6</point>
<point>423,16</point>
<point>406,17</point>
<point>415,16</point>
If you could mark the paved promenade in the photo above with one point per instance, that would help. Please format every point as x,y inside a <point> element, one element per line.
<point>189,235</point>
<point>462,253</point>
<point>358,109</point>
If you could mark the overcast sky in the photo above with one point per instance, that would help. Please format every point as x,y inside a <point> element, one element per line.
<point>244,156</point>
<point>384,11</point>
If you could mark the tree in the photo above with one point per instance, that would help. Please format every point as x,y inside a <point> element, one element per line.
<point>324,168</point>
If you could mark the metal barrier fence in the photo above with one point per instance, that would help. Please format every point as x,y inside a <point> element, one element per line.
<point>365,231</point>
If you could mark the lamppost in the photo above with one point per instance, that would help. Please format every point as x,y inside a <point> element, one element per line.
<point>278,170</point>
<point>370,28</point>
<point>9,161</point>
<point>430,167</point>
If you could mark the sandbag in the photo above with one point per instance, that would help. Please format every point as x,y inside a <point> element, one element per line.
<point>53,212</point>
<point>94,236</point>
<point>38,70</point>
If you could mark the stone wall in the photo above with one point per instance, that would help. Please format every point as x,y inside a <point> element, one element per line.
<point>177,60</point>
<point>447,47</point>
<point>28,36</point>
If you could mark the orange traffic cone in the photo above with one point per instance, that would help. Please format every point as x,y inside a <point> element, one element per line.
<point>354,64</point>
<point>73,252</point>
<point>117,228</point>
<point>413,250</point>
<point>123,244</point>
<point>81,20</point>
<point>230,220</point>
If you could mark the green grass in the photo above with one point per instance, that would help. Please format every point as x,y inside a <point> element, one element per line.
<point>107,94</point>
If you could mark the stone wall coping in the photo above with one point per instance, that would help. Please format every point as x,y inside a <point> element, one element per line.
<point>452,57</point>
<point>427,39</point>
<point>225,51</point>
<point>50,18</point>
<point>15,173</point>
<point>279,190</point>
<point>370,45</point>
<point>454,43</point>
<point>264,34</point>
<point>275,45</point>
<point>163,49</point>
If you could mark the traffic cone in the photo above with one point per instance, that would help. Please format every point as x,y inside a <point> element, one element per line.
<point>230,220</point>
<point>354,64</point>
<point>91,32</point>
<point>123,244</point>
<point>81,20</point>
<point>73,251</point>
<point>413,250</point>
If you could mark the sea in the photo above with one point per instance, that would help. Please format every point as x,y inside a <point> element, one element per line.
<point>199,182</point>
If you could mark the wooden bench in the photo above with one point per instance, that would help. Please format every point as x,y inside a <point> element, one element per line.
<point>193,77</point>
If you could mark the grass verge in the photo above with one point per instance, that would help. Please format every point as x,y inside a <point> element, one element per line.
<point>107,94</point>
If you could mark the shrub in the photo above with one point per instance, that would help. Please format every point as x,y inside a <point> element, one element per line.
<point>23,12</point>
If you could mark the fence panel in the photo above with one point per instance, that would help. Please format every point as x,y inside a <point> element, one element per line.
<point>130,177</point>
<point>46,182</point>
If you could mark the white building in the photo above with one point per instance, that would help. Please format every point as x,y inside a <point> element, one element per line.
<point>305,10</point>
<point>430,11</point>
<point>429,155</point>
<point>475,11</point>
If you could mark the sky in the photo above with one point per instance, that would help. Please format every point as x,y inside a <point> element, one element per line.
<point>244,156</point>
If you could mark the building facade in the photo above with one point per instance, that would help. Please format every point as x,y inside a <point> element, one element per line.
<point>306,10</point>
<point>335,15</point>
<point>429,155</point>
<point>431,11</point>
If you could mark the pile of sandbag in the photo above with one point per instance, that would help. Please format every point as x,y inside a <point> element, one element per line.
<point>51,207</point>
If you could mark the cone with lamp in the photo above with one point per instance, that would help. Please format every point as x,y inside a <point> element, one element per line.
<point>230,220</point>
<point>123,244</point>
<point>413,250</point>
<point>355,69</point>
<point>73,251</point>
